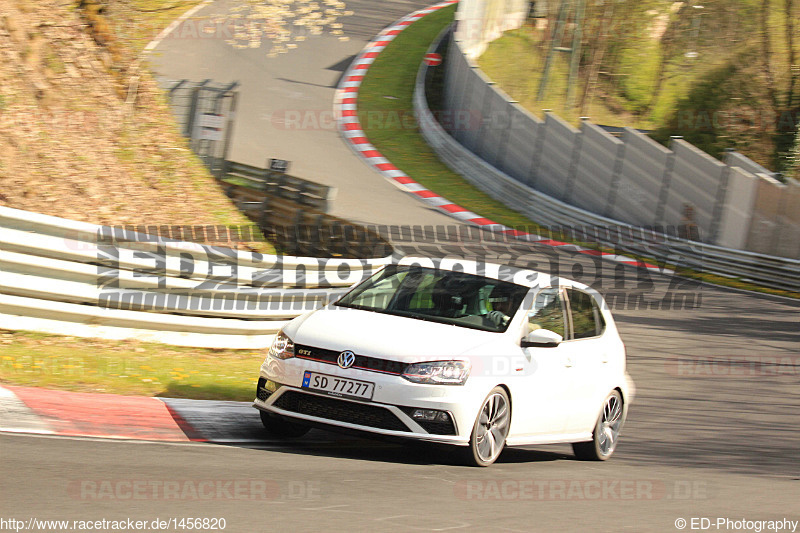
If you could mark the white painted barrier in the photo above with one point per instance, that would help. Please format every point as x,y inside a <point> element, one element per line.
<point>66,277</point>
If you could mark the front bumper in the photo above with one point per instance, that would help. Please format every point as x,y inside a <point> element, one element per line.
<point>389,413</point>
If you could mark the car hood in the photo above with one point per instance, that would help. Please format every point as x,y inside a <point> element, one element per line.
<point>388,336</point>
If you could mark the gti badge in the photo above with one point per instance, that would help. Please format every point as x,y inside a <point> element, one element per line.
<point>346,359</point>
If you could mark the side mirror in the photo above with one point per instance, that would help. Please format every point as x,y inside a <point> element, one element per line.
<point>541,338</point>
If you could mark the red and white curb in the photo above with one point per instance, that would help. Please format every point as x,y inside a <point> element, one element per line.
<point>17,417</point>
<point>53,412</point>
<point>346,109</point>
<point>33,410</point>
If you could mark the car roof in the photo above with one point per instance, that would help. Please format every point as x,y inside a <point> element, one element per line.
<point>512,274</point>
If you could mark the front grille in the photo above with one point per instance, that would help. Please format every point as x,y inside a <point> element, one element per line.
<point>340,410</point>
<point>363,362</point>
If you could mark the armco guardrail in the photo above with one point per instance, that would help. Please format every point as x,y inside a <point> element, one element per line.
<point>68,277</point>
<point>767,270</point>
<point>281,185</point>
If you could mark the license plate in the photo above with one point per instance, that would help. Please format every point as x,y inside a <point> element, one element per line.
<point>337,386</point>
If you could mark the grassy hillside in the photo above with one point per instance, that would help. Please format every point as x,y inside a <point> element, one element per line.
<point>84,131</point>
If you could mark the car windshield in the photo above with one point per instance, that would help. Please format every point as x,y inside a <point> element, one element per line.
<point>445,296</point>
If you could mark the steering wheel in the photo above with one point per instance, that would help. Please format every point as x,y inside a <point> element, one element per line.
<point>498,318</point>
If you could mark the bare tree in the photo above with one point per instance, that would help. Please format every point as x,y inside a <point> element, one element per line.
<point>794,68</point>
<point>598,52</point>
<point>669,44</point>
<point>766,54</point>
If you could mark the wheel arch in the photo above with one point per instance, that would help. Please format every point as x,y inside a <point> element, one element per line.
<point>618,389</point>
<point>622,394</point>
<point>510,399</point>
<point>625,401</point>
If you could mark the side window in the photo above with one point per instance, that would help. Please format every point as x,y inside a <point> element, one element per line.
<point>586,318</point>
<point>547,312</point>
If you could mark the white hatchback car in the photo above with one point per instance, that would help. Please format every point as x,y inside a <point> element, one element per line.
<point>476,355</point>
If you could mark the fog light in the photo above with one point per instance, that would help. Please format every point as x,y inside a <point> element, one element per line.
<point>430,415</point>
<point>265,389</point>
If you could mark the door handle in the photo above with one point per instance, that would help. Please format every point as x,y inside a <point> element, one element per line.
<point>568,362</point>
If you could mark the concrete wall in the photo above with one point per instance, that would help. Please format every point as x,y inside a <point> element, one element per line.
<point>644,171</point>
<point>696,190</point>
<point>788,242</point>
<point>631,179</point>
<point>738,211</point>
<point>599,170</point>
<point>775,219</point>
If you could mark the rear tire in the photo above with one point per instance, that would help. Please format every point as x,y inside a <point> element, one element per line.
<point>282,429</point>
<point>606,431</point>
<point>490,430</point>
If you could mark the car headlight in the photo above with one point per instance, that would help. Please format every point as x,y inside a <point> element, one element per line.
<point>438,372</point>
<point>282,347</point>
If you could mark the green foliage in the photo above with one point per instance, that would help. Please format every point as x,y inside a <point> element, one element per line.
<point>638,68</point>
<point>697,117</point>
<point>694,69</point>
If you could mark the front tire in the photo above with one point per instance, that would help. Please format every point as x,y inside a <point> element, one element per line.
<point>606,431</point>
<point>490,430</point>
<point>282,429</point>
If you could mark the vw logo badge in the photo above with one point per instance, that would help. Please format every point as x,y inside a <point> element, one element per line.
<point>346,359</point>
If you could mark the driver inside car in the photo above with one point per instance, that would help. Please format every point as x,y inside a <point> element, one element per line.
<point>501,308</point>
